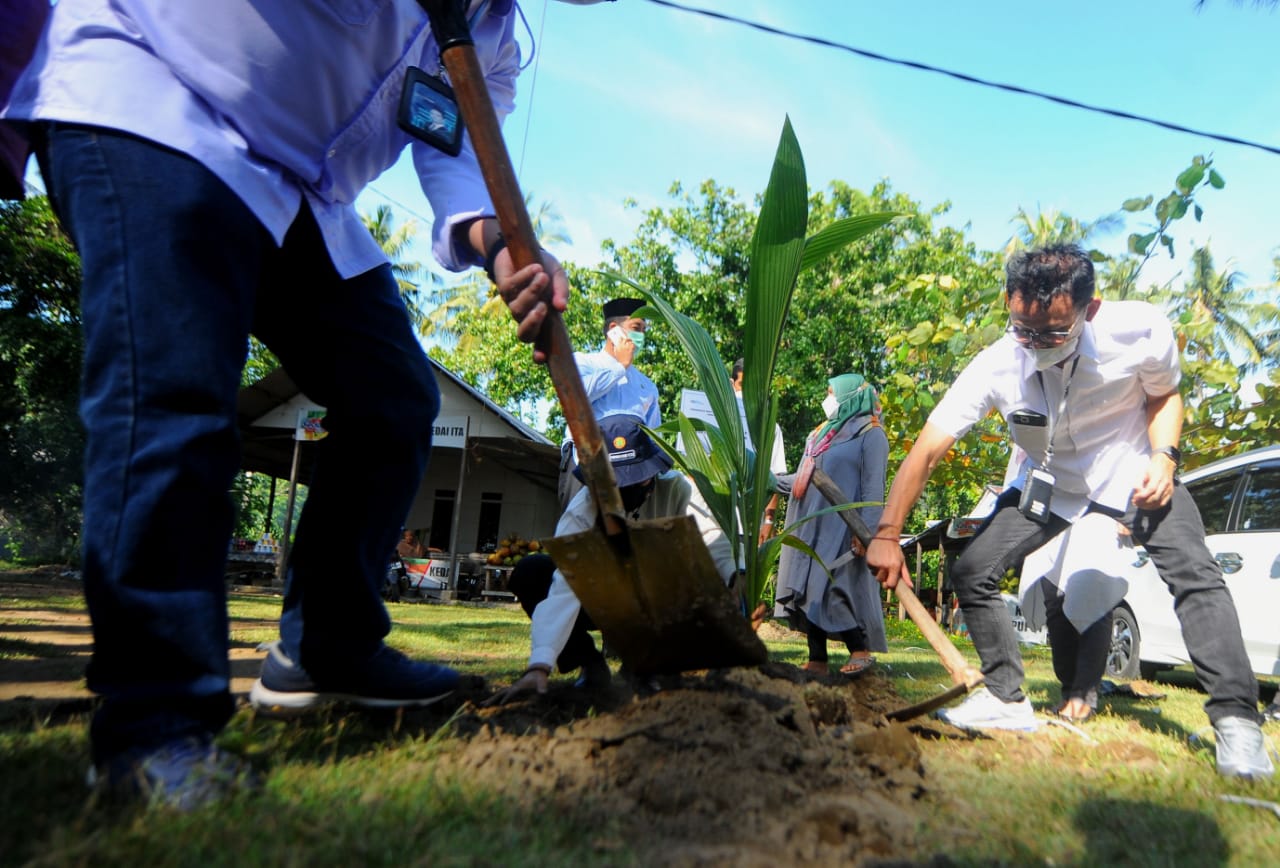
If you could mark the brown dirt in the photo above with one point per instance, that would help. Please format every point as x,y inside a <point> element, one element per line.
<point>767,766</point>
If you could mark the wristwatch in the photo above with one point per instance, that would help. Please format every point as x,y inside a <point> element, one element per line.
<point>1175,454</point>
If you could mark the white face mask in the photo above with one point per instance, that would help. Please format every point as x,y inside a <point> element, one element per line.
<point>1047,357</point>
<point>830,405</point>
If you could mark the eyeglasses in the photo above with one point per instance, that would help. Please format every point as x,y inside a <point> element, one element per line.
<point>1031,337</point>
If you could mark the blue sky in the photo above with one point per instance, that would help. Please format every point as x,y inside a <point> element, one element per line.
<point>627,97</point>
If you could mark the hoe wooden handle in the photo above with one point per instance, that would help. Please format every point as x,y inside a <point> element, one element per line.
<point>959,668</point>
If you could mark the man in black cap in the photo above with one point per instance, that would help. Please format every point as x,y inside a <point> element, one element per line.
<point>649,489</point>
<point>612,382</point>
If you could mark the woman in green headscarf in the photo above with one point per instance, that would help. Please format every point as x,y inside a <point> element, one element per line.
<point>851,447</point>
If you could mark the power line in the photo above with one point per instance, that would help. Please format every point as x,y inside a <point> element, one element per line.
<point>533,87</point>
<point>972,79</point>
<point>403,207</point>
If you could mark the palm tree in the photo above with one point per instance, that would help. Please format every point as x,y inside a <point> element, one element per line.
<point>434,309</point>
<point>1054,227</point>
<point>395,243</point>
<point>476,292</point>
<point>1244,328</point>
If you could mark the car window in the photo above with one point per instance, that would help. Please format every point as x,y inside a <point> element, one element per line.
<point>1213,496</point>
<point>1260,502</point>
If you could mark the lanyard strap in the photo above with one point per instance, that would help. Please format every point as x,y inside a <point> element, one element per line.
<point>1062,407</point>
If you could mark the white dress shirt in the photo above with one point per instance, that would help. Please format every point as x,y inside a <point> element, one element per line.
<point>554,617</point>
<point>1127,354</point>
<point>282,101</point>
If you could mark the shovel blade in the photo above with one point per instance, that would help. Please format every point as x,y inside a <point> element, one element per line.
<point>657,598</point>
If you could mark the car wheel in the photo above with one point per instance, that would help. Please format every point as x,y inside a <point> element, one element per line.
<point>1122,658</point>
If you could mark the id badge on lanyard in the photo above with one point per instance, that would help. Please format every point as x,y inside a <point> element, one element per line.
<point>1037,492</point>
<point>429,112</point>
<point>428,107</point>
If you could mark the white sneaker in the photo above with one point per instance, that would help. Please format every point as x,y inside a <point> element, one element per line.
<point>1241,749</point>
<point>983,710</point>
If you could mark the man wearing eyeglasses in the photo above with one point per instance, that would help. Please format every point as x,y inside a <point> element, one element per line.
<point>1090,388</point>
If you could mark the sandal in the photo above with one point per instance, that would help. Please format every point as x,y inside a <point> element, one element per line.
<point>1076,718</point>
<point>816,666</point>
<point>857,666</point>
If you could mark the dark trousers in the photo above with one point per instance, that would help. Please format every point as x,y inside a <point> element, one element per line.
<point>1079,657</point>
<point>177,274</point>
<point>531,582</point>
<point>1174,538</point>
<point>854,640</point>
<point>567,485</point>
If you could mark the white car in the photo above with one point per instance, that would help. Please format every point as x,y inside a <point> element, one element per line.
<point>1239,500</point>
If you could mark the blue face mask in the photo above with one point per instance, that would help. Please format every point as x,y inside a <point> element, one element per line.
<point>617,335</point>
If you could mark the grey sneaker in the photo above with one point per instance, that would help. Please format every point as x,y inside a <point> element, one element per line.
<point>184,775</point>
<point>1242,751</point>
<point>983,710</point>
<point>1272,711</point>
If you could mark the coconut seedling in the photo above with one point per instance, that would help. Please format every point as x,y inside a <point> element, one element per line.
<point>734,483</point>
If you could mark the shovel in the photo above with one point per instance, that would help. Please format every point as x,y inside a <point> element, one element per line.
<point>963,676</point>
<point>651,587</point>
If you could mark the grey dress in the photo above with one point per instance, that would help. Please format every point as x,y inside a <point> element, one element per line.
<point>856,459</point>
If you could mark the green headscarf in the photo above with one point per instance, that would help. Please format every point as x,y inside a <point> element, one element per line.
<point>857,397</point>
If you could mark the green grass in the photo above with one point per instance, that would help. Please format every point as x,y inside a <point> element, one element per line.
<point>357,790</point>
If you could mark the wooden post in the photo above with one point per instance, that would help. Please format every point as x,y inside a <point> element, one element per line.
<point>938,594</point>
<point>457,508</point>
<point>271,505</point>
<point>288,510</point>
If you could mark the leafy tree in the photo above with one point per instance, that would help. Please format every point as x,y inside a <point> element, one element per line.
<point>1227,332</point>
<point>41,439</point>
<point>1171,208</point>
<point>1213,315</point>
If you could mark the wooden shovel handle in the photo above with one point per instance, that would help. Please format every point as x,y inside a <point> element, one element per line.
<point>959,668</point>
<point>459,58</point>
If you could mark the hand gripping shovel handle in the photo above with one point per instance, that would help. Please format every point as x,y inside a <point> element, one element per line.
<point>457,53</point>
<point>962,674</point>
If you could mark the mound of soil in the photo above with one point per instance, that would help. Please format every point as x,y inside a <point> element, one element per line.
<point>762,766</point>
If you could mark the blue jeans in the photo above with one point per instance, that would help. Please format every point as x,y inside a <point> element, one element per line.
<point>1174,538</point>
<point>177,274</point>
